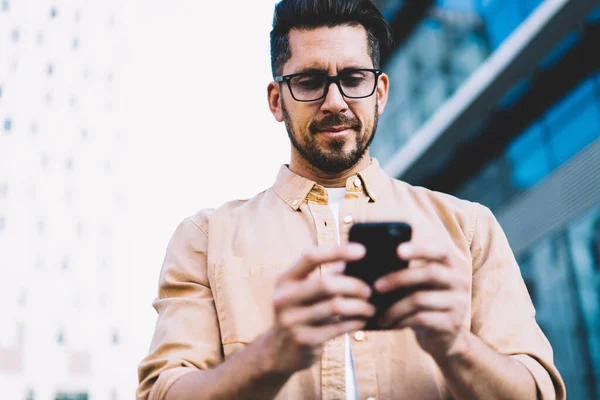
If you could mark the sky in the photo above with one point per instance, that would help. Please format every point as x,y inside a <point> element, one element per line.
<point>199,131</point>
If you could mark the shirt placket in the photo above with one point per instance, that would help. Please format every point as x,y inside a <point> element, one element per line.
<point>332,358</point>
<point>353,209</point>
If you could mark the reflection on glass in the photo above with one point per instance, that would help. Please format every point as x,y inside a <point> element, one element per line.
<point>568,127</point>
<point>548,275</point>
<point>584,236</point>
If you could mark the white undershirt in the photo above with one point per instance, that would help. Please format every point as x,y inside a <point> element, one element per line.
<point>335,196</point>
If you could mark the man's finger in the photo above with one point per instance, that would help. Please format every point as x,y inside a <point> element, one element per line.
<point>315,336</point>
<point>431,276</point>
<point>320,255</point>
<point>428,252</point>
<point>437,321</point>
<point>434,300</point>
<point>312,290</point>
<point>324,311</point>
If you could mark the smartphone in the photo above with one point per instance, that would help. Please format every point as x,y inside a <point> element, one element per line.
<point>381,241</point>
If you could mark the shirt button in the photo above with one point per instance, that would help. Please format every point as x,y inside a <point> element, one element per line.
<point>348,219</point>
<point>295,203</point>
<point>359,336</point>
<point>357,182</point>
<point>371,398</point>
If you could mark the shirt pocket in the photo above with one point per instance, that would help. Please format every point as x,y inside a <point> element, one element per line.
<point>244,290</point>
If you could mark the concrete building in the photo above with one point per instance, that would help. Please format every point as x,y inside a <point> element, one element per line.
<point>63,332</point>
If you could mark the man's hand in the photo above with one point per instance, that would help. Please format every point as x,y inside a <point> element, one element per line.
<point>436,310</point>
<point>311,310</point>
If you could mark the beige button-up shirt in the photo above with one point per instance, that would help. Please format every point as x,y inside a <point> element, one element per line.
<point>218,277</point>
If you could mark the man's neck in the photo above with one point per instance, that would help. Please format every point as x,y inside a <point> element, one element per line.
<point>300,166</point>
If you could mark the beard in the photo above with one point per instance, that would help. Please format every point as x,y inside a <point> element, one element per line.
<point>334,159</point>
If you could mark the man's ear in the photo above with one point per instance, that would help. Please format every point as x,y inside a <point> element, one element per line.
<point>383,87</point>
<point>274,98</point>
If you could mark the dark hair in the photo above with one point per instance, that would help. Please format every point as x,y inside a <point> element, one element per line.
<point>311,14</point>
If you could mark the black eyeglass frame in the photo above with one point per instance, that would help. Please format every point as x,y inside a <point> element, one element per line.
<point>330,79</point>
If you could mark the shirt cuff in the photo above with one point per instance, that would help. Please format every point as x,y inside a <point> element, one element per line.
<point>165,380</point>
<point>541,376</point>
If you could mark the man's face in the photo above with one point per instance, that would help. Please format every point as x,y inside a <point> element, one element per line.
<point>333,133</point>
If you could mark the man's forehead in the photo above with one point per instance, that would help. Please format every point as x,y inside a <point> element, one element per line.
<point>342,46</point>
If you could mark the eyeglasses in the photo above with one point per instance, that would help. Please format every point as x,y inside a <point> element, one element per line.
<point>313,86</point>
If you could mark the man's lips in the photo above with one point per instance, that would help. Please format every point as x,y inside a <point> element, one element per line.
<point>337,132</point>
<point>338,128</point>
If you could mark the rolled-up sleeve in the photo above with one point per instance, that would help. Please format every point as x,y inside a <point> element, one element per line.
<point>186,336</point>
<point>503,314</point>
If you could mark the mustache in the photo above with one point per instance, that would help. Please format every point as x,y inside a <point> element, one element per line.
<point>335,120</point>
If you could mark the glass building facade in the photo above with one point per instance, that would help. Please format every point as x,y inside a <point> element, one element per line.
<point>561,268</point>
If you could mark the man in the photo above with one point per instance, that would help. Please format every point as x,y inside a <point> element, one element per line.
<point>252,300</point>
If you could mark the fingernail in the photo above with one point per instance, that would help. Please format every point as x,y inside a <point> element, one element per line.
<point>405,250</point>
<point>381,285</point>
<point>356,250</point>
<point>367,291</point>
<point>337,268</point>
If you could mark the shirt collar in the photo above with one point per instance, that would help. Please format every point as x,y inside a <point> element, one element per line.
<point>294,189</point>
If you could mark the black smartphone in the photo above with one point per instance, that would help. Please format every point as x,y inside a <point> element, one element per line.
<point>381,241</point>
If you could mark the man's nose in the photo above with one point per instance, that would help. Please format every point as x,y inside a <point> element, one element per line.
<point>334,101</point>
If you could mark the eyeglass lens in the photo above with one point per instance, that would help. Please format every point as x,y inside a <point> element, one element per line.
<point>312,86</point>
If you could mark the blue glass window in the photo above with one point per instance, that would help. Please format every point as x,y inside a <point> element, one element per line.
<point>515,93</point>
<point>502,18</point>
<point>594,16</point>
<point>560,50</point>
<point>457,5</point>
<point>574,122</point>
<point>529,6</point>
<point>529,158</point>
<point>7,125</point>
<point>5,5</point>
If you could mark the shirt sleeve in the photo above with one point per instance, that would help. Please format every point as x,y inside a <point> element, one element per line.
<point>186,336</point>
<point>502,312</point>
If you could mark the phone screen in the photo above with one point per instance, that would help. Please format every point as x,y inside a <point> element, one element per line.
<point>381,241</point>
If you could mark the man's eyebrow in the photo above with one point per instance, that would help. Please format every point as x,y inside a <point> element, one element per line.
<point>311,70</point>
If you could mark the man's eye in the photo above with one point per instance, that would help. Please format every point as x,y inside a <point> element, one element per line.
<point>353,80</point>
<point>309,83</point>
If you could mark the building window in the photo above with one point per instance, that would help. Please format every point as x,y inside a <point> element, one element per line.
<point>41,226</point>
<point>79,228</point>
<point>3,189</point>
<point>71,396</point>
<point>595,245</point>
<point>53,12</point>
<point>60,337</point>
<point>23,298</point>
<point>5,5</point>
<point>8,125</point>
<point>529,158</point>
<point>64,265</point>
<point>115,337</point>
<point>2,223</point>
<point>574,122</point>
